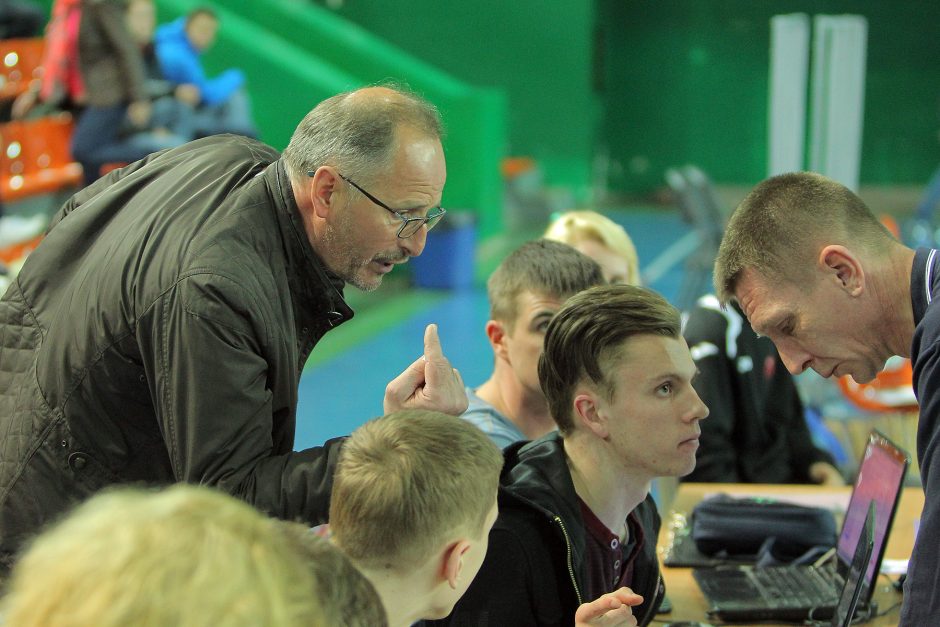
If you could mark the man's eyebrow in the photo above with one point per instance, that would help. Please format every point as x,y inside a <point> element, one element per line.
<point>416,208</point>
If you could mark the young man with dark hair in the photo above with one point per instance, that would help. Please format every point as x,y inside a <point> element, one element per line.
<point>576,520</point>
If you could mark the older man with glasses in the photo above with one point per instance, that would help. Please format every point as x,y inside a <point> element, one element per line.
<point>159,331</point>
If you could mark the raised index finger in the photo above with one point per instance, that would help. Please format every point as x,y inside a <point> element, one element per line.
<point>432,345</point>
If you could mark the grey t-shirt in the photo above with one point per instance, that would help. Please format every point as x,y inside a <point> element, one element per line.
<point>498,427</point>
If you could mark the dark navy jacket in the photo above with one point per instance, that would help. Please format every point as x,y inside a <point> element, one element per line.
<point>922,587</point>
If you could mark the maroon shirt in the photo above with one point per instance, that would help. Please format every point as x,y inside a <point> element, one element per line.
<point>609,564</point>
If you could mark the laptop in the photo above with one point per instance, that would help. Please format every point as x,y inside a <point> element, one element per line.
<point>794,593</point>
<point>855,579</point>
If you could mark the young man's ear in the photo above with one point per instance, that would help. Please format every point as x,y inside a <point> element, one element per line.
<point>589,412</point>
<point>453,562</point>
<point>496,333</point>
<point>844,267</point>
<point>323,187</point>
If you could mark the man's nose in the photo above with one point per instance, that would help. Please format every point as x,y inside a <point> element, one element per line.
<point>414,245</point>
<point>796,361</point>
<point>699,408</point>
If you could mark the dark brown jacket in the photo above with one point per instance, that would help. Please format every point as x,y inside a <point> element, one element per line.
<point>158,334</point>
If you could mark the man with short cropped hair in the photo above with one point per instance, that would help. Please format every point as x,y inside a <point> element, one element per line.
<point>815,271</point>
<point>414,499</point>
<point>525,291</point>
<point>576,519</point>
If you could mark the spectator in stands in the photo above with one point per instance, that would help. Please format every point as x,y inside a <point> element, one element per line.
<point>223,104</point>
<point>59,86</point>
<point>20,19</point>
<point>113,74</point>
<point>173,106</point>
<point>576,520</point>
<point>162,325</point>
<point>756,431</point>
<point>525,291</point>
<point>601,239</point>
<point>184,556</point>
<point>413,502</point>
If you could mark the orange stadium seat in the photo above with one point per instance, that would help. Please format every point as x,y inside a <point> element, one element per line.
<point>20,63</point>
<point>35,157</point>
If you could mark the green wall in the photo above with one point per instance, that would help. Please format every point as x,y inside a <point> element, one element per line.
<point>539,52</point>
<point>688,82</point>
<point>295,54</point>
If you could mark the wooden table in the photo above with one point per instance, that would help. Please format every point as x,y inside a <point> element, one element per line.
<point>687,600</point>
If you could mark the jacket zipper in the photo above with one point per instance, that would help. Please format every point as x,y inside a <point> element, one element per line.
<point>659,579</point>
<point>660,589</point>
<point>570,567</point>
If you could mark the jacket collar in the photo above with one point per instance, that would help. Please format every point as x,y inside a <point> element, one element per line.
<point>536,474</point>
<point>310,280</point>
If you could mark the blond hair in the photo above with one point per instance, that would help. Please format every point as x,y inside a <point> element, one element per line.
<point>346,597</point>
<point>187,556</point>
<point>408,482</point>
<point>777,229</point>
<point>574,227</point>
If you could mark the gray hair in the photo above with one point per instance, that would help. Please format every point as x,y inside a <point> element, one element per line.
<point>357,133</point>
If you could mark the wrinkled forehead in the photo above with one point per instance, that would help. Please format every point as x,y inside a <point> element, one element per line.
<point>765,304</point>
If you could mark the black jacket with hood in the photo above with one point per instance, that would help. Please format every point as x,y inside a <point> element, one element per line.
<point>158,334</point>
<point>535,570</point>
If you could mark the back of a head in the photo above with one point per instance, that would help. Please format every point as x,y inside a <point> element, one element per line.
<point>586,334</point>
<point>356,132</point>
<point>345,596</point>
<point>778,227</point>
<point>408,482</point>
<point>542,267</point>
<point>574,227</point>
<point>184,556</point>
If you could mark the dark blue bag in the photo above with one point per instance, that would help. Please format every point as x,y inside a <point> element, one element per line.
<point>723,525</point>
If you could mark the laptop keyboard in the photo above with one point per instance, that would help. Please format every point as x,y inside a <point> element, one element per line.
<point>792,587</point>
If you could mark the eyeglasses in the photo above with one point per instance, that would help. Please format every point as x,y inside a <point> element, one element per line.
<point>409,226</point>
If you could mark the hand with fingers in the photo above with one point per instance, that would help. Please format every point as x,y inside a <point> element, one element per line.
<point>609,610</point>
<point>429,383</point>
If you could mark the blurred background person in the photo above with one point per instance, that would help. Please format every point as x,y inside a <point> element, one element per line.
<point>223,105</point>
<point>601,239</point>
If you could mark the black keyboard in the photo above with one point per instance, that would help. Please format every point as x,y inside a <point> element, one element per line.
<point>796,587</point>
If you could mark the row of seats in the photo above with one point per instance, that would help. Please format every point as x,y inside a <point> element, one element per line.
<point>35,157</point>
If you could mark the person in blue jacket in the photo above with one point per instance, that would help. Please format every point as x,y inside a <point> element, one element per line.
<point>223,104</point>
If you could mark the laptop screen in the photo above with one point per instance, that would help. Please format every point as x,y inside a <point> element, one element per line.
<point>852,589</point>
<point>880,479</point>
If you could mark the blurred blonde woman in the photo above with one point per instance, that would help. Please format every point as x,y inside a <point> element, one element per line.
<point>183,557</point>
<point>601,239</point>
